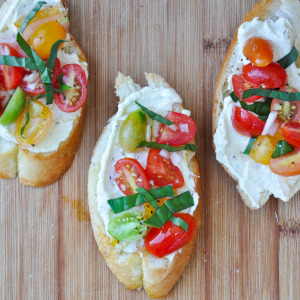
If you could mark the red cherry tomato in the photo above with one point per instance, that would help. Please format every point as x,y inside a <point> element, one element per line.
<point>129,175</point>
<point>10,77</point>
<point>287,111</point>
<point>74,77</point>
<point>272,76</point>
<point>246,123</point>
<point>181,132</point>
<point>162,171</point>
<point>286,165</point>
<point>258,51</point>
<point>291,133</point>
<point>240,84</point>
<point>37,87</point>
<point>163,241</point>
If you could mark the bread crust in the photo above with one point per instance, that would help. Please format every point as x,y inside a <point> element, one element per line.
<point>41,169</point>
<point>263,10</point>
<point>135,270</point>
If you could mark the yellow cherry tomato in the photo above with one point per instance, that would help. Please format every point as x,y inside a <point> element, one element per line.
<point>45,36</point>
<point>37,127</point>
<point>44,13</point>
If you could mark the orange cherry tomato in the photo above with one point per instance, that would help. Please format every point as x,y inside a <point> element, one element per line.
<point>45,36</point>
<point>38,126</point>
<point>286,165</point>
<point>258,51</point>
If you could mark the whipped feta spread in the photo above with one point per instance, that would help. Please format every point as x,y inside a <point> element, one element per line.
<point>254,179</point>
<point>159,100</point>
<point>63,123</point>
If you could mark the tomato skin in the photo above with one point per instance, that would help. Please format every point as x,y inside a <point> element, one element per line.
<point>246,123</point>
<point>40,88</point>
<point>10,77</point>
<point>163,241</point>
<point>291,133</point>
<point>177,137</point>
<point>125,169</point>
<point>162,171</point>
<point>240,84</point>
<point>74,76</point>
<point>270,77</point>
<point>286,165</point>
<point>258,51</point>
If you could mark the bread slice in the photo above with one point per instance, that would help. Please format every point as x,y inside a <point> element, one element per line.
<point>263,9</point>
<point>41,169</point>
<point>156,275</point>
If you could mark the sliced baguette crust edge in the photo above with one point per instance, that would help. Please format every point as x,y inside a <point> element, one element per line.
<point>135,270</point>
<point>41,169</point>
<point>263,10</point>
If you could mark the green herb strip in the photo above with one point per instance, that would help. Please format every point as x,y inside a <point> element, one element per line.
<point>23,62</point>
<point>287,60</point>
<point>286,96</point>
<point>260,108</point>
<point>53,55</point>
<point>31,15</point>
<point>171,206</point>
<point>282,148</point>
<point>154,145</point>
<point>179,222</point>
<point>123,203</point>
<point>154,116</point>
<point>147,197</point>
<point>249,146</point>
<point>234,97</point>
<point>61,85</point>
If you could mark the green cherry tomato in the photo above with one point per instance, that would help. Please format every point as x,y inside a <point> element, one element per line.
<point>127,226</point>
<point>133,130</point>
<point>14,107</point>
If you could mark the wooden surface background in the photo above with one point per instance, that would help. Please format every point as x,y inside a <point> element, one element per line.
<point>47,248</point>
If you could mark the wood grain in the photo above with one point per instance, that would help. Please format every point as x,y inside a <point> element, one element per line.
<point>48,253</point>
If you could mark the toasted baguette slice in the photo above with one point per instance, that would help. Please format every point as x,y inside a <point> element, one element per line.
<point>157,276</point>
<point>41,169</point>
<point>264,9</point>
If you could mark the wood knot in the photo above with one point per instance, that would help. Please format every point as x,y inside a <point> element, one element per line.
<point>289,227</point>
<point>209,44</point>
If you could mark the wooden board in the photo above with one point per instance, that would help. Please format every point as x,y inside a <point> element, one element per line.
<point>47,249</point>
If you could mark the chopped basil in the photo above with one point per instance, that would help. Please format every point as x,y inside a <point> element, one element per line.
<point>53,55</point>
<point>287,60</point>
<point>31,15</point>
<point>123,203</point>
<point>260,108</point>
<point>23,62</point>
<point>282,148</point>
<point>286,96</point>
<point>171,206</point>
<point>147,197</point>
<point>263,118</point>
<point>249,146</point>
<point>234,97</point>
<point>61,85</point>
<point>179,222</point>
<point>154,116</point>
<point>154,145</point>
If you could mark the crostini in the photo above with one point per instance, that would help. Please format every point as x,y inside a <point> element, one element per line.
<point>43,90</point>
<point>144,187</point>
<point>256,115</point>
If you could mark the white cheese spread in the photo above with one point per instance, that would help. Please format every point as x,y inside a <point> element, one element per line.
<point>256,180</point>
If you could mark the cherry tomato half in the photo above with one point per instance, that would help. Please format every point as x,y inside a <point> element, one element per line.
<point>272,76</point>
<point>45,36</point>
<point>74,77</point>
<point>10,77</point>
<point>163,241</point>
<point>37,128</point>
<point>162,171</point>
<point>287,111</point>
<point>258,51</point>
<point>129,175</point>
<point>36,86</point>
<point>246,123</point>
<point>240,84</point>
<point>181,132</point>
<point>291,133</point>
<point>286,165</point>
